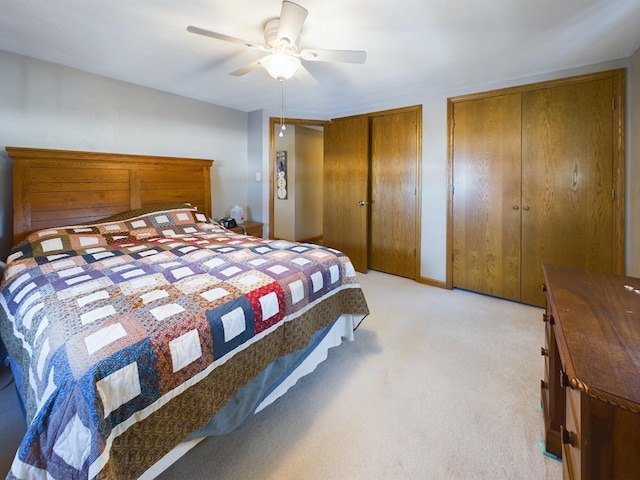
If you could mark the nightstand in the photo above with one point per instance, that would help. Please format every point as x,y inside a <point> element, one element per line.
<point>249,228</point>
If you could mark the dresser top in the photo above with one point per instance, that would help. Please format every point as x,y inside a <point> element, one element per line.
<point>597,322</point>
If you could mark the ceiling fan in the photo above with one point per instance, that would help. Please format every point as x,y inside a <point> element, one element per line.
<point>282,36</point>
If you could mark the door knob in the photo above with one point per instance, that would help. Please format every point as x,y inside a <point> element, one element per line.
<point>362,203</point>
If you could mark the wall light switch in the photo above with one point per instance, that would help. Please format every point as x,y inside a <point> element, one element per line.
<point>258,177</point>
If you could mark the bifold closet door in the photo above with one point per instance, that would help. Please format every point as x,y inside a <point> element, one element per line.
<point>394,197</point>
<point>486,195</point>
<point>567,180</point>
<point>346,188</point>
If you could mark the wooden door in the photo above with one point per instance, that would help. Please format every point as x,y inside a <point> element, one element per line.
<point>346,184</point>
<point>567,181</point>
<point>486,195</point>
<point>395,141</point>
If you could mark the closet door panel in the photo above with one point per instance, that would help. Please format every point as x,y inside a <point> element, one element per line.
<point>346,183</point>
<point>394,174</point>
<point>567,180</point>
<point>486,195</point>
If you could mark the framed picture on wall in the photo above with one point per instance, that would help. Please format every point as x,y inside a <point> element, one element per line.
<point>281,174</point>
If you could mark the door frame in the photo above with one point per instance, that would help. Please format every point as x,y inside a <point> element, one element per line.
<point>273,121</point>
<point>618,77</point>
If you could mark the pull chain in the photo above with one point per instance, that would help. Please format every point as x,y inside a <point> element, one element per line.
<point>283,127</point>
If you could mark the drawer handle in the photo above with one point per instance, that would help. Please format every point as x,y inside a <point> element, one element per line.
<point>544,352</point>
<point>564,380</point>
<point>568,438</point>
<point>544,385</point>
<point>545,317</point>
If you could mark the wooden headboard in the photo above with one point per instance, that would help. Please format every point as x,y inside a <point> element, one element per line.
<point>63,187</point>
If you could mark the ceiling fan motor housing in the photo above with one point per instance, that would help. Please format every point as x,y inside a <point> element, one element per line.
<point>271,37</point>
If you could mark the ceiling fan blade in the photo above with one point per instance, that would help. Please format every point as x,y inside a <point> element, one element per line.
<point>226,38</point>
<point>292,17</point>
<point>305,76</point>
<point>250,67</point>
<point>341,56</point>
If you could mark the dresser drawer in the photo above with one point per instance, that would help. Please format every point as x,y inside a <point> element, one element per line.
<point>552,395</point>
<point>571,435</point>
<point>547,350</point>
<point>544,383</point>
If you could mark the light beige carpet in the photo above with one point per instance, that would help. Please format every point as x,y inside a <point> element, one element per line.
<point>12,426</point>
<point>438,384</point>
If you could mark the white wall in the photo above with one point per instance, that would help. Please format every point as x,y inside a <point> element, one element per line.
<point>50,106</point>
<point>254,209</point>
<point>633,166</point>
<point>284,210</point>
<point>308,182</point>
<point>299,216</point>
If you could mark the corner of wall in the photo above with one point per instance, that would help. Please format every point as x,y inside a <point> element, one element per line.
<point>255,153</point>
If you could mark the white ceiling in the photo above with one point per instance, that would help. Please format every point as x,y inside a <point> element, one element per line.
<point>412,45</point>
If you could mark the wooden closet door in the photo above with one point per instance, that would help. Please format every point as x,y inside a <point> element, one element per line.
<point>567,180</point>
<point>346,184</point>
<point>394,178</point>
<point>486,195</point>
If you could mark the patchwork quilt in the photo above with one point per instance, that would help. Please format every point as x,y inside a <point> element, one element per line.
<point>134,332</point>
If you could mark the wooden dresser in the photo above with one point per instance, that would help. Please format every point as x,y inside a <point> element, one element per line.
<point>591,386</point>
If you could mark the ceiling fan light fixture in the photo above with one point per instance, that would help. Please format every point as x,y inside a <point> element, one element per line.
<point>280,66</point>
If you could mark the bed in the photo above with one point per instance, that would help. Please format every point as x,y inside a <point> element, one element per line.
<point>135,335</point>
